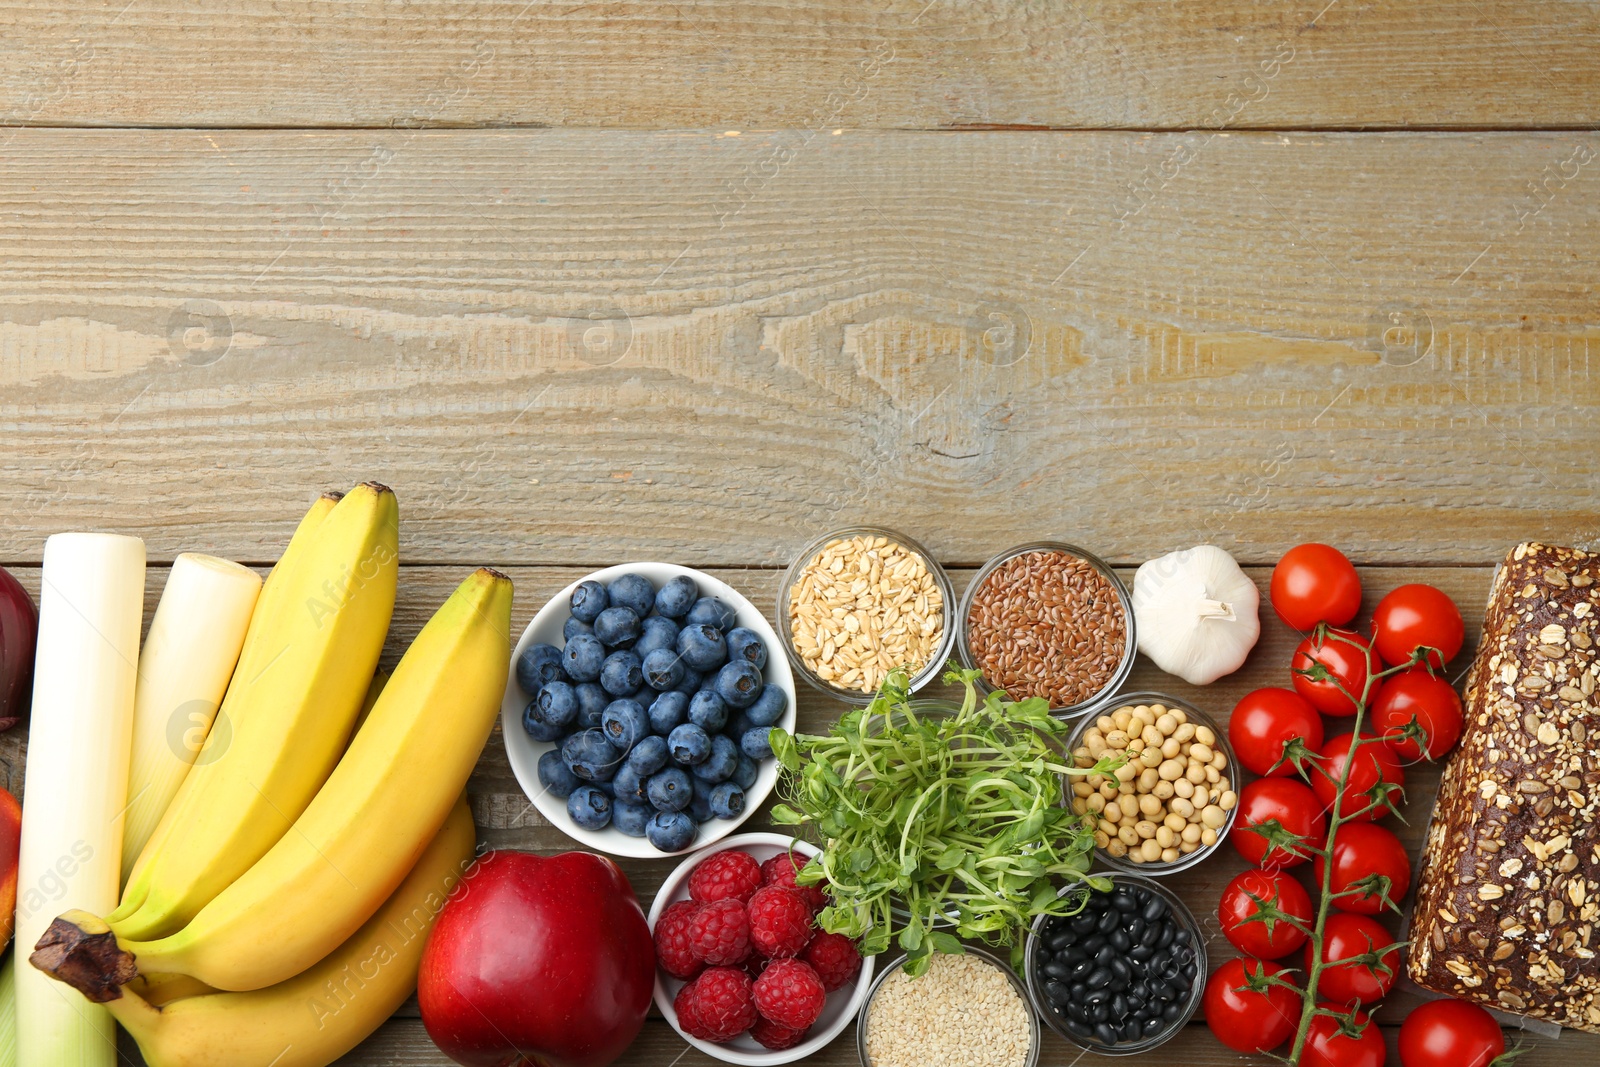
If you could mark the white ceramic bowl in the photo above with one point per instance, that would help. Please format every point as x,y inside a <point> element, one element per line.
<point>524,751</point>
<point>842,1005</point>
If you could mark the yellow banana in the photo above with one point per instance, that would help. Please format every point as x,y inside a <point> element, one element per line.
<point>380,678</point>
<point>372,818</point>
<point>316,1017</point>
<point>309,653</point>
<point>267,602</point>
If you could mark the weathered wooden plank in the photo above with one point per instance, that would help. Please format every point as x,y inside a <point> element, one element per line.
<point>722,344</point>
<point>813,65</point>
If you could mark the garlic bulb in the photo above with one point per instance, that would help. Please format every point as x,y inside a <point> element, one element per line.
<point>1196,613</point>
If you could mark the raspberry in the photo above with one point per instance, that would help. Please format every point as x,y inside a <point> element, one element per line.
<point>673,949</point>
<point>780,922</point>
<point>834,957</point>
<point>790,994</point>
<point>719,933</point>
<point>717,1006</point>
<point>727,875</point>
<point>780,871</point>
<point>769,1034</point>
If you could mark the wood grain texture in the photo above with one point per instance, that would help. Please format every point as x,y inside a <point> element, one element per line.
<point>507,820</point>
<point>567,345</point>
<point>801,64</point>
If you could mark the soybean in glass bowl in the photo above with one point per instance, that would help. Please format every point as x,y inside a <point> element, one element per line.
<point>1214,796</point>
<point>1115,677</point>
<point>929,1054</point>
<point>924,674</point>
<point>1124,975</point>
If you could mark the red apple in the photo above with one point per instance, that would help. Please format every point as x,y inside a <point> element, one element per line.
<point>10,841</point>
<point>543,961</point>
<point>19,626</point>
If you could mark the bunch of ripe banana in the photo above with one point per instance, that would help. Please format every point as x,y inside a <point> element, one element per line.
<point>278,914</point>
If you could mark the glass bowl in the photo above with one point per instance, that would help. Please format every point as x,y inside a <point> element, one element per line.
<point>1080,1035</point>
<point>1199,718</point>
<point>1131,642</point>
<point>1035,1036</point>
<point>929,671</point>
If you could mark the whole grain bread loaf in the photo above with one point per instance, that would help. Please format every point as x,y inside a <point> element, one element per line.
<point>1509,898</point>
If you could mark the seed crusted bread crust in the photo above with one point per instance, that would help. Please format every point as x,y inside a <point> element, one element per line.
<point>1509,897</point>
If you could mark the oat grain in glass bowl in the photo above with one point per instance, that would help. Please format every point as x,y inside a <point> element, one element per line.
<point>856,603</point>
<point>1049,620</point>
<point>969,1009</point>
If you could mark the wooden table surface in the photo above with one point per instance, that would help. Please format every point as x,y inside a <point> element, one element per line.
<point>697,281</point>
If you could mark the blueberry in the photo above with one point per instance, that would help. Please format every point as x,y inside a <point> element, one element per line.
<point>573,627</point>
<point>632,591</point>
<point>617,627</point>
<point>592,701</point>
<point>757,743</point>
<point>629,784</point>
<point>688,744</point>
<point>656,632</point>
<point>537,727</point>
<point>558,703</point>
<point>590,756</point>
<point>746,645</point>
<point>769,706</point>
<point>663,670</point>
<point>588,601</point>
<point>702,647</point>
<point>630,816</point>
<point>739,684</point>
<point>738,724</point>
<point>667,711</point>
<point>606,787</point>
<point>676,597</point>
<point>621,674</point>
<point>583,657</point>
<point>708,711</point>
<point>557,777</point>
<point>723,761</point>
<point>710,611</point>
<point>537,665</point>
<point>700,806</point>
<point>589,808</point>
<point>625,724</point>
<point>670,831</point>
<point>727,801</point>
<point>692,680</point>
<point>747,771</point>
<point>669,790</point>
<point>648,755</point>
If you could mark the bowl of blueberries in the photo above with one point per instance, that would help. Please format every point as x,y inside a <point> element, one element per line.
<point>637,714</point>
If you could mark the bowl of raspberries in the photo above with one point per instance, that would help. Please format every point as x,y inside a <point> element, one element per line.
<point>743,971</point>
<point>638,710</point>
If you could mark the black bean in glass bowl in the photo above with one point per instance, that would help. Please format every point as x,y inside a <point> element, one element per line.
<point>1124,974</point>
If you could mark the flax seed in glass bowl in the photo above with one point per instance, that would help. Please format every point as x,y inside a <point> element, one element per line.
<point>861,601</point>
<point>1050,620</point>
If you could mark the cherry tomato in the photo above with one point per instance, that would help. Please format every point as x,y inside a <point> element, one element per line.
<point>1361,849</point>
<point>1345,936</point>
<point>1414,615</point>
<point>1349,662</point>
<point>1450,1033</point>
<point>1264,721</point>
<point>1315,583</point>
<point>1430,700</point>
<point>1288,803</point>
<point>1373,763</point>
<point>1327,1045</point>
<point>1266,938</point>
<point>1244,1020</point>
